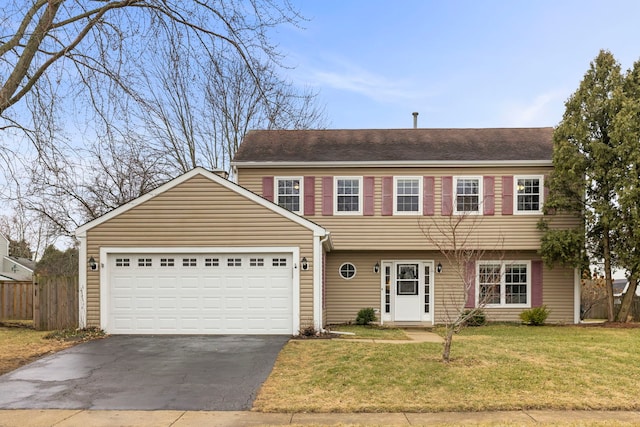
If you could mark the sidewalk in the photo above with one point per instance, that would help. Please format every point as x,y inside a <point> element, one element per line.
<point>415,336</point>
<point>86,418</point>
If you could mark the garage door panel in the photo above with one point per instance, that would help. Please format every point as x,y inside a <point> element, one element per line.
<point>193,294</point>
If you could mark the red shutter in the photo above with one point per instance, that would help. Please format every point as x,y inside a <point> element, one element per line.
<point>447,195</point>
<point>369,188</point>
<point>507,195</point>
<point>267,187</point>
<point>470,283</point>
<point>327,195</point>
<point>489,201</point>
<point>428,200</point>
<point>387,195</point>
<point>309,195</point>
<point>536,283</point>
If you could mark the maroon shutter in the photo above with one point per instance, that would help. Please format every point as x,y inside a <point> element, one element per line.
<point>327,195</point>
<point>387,195</point>
<point>489,195</point>
<point>309,195</point>
<point>536,283</point>
<point>369,188</point>
<point>429,199</point>
<point>447,195</point>
<point>267,187</point>
<point>546,191</point>
<point>507,195</point>
<point>470,282</point>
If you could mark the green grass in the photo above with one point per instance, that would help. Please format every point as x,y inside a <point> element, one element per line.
<point>370,332</point>
<point>498,367</point>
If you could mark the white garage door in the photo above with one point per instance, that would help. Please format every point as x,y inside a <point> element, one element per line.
<point>200,294</point>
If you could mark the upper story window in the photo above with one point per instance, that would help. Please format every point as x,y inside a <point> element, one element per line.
<point>528,190</point>
<point>288,192</point>
<point>408,192</point>
<point>348,195</point>
<point>468,193</point>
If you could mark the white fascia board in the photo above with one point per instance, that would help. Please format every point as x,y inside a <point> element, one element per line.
<point>403,163</point>
<point>317,230</point>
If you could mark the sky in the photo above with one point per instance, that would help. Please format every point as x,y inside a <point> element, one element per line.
<point>458,63</point>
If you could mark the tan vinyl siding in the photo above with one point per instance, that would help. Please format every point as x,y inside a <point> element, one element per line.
<point>345,297</point>
<point>492,232</point>
<point>198,213</point>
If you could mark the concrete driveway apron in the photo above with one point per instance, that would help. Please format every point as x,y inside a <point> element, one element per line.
<point>221,373</point>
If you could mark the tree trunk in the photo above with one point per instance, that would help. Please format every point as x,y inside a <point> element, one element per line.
<point>627,301</point>
<point>446,352</point>
<point>607,274</point>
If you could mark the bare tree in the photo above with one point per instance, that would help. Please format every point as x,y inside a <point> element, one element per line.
<point>50,37</point>
<point>456,239</point>
<point>198,110</point>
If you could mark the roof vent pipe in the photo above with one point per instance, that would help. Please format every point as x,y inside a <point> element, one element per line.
<point>415,120</point>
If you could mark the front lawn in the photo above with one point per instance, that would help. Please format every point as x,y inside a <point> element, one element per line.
<point>497,367</point>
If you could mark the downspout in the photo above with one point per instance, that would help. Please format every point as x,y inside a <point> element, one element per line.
<point>318,278</point>
<point>82,281</point>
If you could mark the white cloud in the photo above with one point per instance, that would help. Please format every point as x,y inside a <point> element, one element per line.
<point>343,75</point>
<point>545,109</point>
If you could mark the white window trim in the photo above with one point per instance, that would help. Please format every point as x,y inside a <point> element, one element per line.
<point>503,284</point>
<point>395,195</point>
<point>515,194</point>
<point>335,195</point>
<point>480,195</point>
<point>300,193</point>
<point>355,270</point>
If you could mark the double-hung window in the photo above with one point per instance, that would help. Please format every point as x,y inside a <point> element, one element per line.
<point>408,195</point>
<point>529,193</point>
<point>504,284</point>
<point>288,192</point>
<point>348,195</point>
<point>468,194</point>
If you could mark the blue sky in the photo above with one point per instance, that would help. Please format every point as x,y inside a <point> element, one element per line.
<point>459,63</point>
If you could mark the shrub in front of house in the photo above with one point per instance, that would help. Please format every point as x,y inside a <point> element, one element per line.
<point>535,316</point>
<point>366,316</point>
<point>478,318</point>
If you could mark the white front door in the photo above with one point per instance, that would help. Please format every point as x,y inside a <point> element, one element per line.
<point>407,291</point>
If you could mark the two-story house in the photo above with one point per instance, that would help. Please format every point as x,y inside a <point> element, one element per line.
<point>14,268</point>
<point>322,223</point>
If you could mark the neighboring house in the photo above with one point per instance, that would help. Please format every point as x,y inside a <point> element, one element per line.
<point>323,223</point>
<point>14,268</point>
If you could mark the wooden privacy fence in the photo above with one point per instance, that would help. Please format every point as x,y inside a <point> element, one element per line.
<point>599,310</point>
<point>55,302</point>
<point>16,300</point>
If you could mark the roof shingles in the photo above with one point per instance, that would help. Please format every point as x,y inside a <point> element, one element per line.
<point>382,145</point>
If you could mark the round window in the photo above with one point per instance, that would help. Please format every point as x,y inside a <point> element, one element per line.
<point>347,270</point>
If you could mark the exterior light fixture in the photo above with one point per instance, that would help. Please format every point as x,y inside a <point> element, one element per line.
<point>439,268</point>
<point>304,263</point>
<point>92,264</point>
<point>376,268</point>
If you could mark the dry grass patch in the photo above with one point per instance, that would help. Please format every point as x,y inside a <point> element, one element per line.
<point>21,344</point>
<point>501,368</point>
<point>370,332</point>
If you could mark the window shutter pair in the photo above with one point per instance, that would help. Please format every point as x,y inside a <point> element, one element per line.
<point>488,198</point>
<point>428,195</point>
<point>309,187</point>
<point>536,283</point>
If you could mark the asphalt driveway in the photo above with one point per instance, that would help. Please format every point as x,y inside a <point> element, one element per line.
<point>221,373</point>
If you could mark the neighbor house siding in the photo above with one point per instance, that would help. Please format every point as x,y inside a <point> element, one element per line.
<point>494,231</point>
<point>199,213</point>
